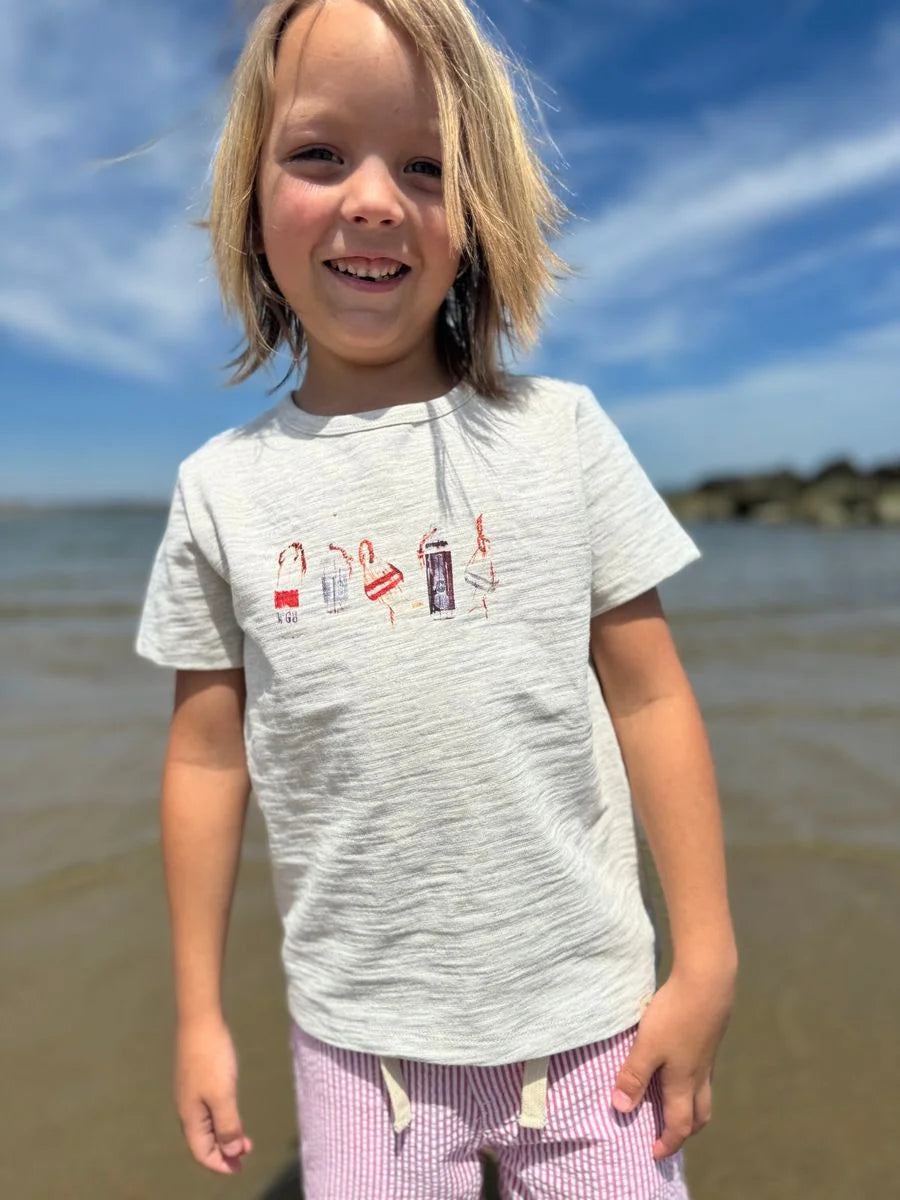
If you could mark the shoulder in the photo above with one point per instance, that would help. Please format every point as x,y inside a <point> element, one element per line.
<point>548,401</point>
<point>561,405</point>
<point>546,390</point>
<point>568,415</point>
<point>225,453</point>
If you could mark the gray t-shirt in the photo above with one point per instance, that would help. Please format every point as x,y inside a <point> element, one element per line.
<point>409,592</point>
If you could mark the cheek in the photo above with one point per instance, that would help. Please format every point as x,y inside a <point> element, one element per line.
<point>435,232</point>
<point>294,219</point>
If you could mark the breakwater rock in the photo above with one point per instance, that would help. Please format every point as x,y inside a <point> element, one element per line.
<point>839,495</point>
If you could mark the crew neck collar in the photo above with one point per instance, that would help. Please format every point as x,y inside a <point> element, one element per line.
<point>413,413</point>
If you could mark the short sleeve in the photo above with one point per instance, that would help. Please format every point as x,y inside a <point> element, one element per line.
<point>636,542</point>
<point>188,619</point>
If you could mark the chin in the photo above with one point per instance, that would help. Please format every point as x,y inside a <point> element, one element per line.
<point>368,346</point>
<point>361,355</point>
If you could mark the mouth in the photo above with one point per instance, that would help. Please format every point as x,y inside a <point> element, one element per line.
<point>369,274</point>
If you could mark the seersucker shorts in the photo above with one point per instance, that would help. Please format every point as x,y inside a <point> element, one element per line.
<point>399,1129</point>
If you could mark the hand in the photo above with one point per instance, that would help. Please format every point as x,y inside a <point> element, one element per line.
<point>206,1096</point>
<point>679,1035</point>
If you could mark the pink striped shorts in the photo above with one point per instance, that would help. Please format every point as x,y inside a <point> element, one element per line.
<point>399,1129</point>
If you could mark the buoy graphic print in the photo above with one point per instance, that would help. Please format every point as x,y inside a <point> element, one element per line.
<point>291,569</point>
<point>480,573</point>
<point>435,557</point>
<point>381,580</point>
<point>337,570</point>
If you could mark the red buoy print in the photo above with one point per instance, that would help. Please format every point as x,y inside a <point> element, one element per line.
<point>381,580</point>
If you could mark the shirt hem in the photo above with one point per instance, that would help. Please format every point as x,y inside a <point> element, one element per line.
<point>632,588</point>
<point>180,662</point>
<point>600,1030</point>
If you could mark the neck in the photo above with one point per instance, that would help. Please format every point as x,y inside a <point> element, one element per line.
<point>333,386</point>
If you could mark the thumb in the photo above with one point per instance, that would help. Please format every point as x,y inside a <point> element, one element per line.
<point>632,1081</point>
<point>228,1126</point>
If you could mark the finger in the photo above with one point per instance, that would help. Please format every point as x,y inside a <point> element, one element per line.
<point>634,1077</point>
<point>702,1107</point>
<point>227,1124</point>
<point>678,1119</point>
<point>197,1126</point>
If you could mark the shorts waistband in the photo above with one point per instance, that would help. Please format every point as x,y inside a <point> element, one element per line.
<point>532,1113</point>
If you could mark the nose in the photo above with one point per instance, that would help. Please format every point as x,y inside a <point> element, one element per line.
<point>371,197</point>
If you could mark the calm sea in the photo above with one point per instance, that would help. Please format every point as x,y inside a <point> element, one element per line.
<point>791,637</point>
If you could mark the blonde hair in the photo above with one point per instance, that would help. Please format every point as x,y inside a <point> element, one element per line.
<point>501,210</point>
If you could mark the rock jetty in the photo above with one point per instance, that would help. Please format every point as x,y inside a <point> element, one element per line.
<point>838,496</point>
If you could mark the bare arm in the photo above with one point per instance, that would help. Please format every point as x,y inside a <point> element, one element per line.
<point>667,756</point>
<point>204,802</point>
<point>670,769</point>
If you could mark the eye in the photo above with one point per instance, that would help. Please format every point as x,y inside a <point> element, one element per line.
<point>432,168</point>
<point>312,154</point>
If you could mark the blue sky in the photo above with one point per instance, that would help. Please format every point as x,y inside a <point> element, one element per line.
<point>733,169</point>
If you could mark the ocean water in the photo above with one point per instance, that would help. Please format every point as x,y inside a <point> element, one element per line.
<point>791,637</point>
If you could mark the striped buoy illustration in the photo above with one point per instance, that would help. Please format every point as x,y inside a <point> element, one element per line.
<point>337,570</point>
<point>381,580</point>
<point>437,560</point>
<point>289,576</point>
<point>480,572</point>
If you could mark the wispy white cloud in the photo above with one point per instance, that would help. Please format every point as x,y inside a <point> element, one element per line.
<point>699,205</point>
<point>829,403</point>
<point>878,240</point>
<point>101,266</point>
<point>658,232</point>
<point>883,299</point>
<point>42,325</point>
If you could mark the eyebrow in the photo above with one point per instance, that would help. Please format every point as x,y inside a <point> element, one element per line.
<point>299,118</point>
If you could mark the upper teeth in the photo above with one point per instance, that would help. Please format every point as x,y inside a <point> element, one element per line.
<point>381,269</point>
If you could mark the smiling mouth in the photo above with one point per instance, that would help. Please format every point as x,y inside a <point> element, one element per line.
<point>369,274</point>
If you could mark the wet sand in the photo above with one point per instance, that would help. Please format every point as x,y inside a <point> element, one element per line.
<point>800,1104</point>
<point>791,641</point>
<point>802,1097</point>
<point>87,1036</point>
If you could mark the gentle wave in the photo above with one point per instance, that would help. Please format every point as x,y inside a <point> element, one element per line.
<point>778,708</point>
<point>47,610</point>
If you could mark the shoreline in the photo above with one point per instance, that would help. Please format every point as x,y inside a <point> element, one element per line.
<point>838,496</point>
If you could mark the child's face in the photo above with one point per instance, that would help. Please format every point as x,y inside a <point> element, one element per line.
<point>350,171</point>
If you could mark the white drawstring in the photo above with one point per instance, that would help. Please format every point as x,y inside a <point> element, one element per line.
<point>534,1093</point>
<point>533,1114</point>
<point>392,1073</point>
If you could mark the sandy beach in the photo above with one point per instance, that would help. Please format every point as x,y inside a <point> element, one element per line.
<point>792,645</point>
<point>800,1106</point>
